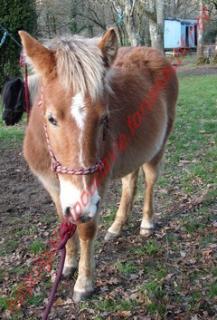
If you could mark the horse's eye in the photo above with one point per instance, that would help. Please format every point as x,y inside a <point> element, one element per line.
<point>52,120</point>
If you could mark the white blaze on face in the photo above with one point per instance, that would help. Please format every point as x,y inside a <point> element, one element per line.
<point>80,202</point>
<point>78,111</point>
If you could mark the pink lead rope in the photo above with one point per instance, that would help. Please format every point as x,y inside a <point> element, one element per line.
<point>66,232</point>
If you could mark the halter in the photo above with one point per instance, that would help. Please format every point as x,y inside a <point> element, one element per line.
<point>57,167</point>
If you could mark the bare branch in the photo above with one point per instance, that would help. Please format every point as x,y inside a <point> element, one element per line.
<point>98,23</point>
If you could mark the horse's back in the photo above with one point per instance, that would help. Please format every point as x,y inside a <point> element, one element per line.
<point>150,64</point>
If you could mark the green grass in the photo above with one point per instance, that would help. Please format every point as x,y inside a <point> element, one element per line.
<point>213,290</point>
<point>195,136</point>
<point>110,305</point>
<point>9,247</point>
<point>3,303</point>
<point>151,248</point>
<point>10,136</point>
<point>126,267</point>
<point>36,300</point>
<point>37,246</point>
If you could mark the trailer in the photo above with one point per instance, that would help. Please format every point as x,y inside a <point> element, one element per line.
<point>180,34</point>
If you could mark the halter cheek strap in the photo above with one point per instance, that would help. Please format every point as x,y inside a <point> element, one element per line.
<point>57,167</point>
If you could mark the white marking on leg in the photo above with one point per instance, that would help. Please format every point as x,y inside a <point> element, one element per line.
<point>69,263</point>
<point>147,224</point>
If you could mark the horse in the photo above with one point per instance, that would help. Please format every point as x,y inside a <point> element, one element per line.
<point>13,98</point>
<point>102,113</point>
<point>13,101</point>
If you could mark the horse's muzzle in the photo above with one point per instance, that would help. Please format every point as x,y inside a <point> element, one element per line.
<point>79,218</point>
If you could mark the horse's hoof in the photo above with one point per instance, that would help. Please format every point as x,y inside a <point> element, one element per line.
<point>80,296</point>
<point>146,232</point>
<point>110,236</point>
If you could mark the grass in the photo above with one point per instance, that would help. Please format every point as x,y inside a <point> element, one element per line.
<point>3,303</point>
<point>36,299</point>
<point>195,135</point>
<point>9,247</point>
<point>151,247</point>
<point>10,136</point>
<point>37,246</point>
<point>126,267</point>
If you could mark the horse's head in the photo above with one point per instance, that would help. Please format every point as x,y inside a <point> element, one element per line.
<point>13,102</point>
<point>72,72</point>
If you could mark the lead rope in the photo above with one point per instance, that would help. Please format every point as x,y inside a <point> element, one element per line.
<point>66,232</point>
<point>26,92</point>
<point>23,64</point>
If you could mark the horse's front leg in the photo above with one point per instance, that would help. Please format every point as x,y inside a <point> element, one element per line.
<point>51,184</point>
<point>84,285</point>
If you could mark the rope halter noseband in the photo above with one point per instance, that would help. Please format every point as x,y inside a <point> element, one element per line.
<point>57,167</point>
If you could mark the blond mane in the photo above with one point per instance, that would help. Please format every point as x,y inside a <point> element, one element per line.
<point>79,64</point>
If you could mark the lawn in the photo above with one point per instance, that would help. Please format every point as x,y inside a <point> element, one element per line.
<point>171,275</point>
<point>10,136</point>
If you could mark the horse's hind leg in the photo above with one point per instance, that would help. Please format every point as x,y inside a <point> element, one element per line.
<point>151,170</point>
<point>128,192</point>
<point>51,184</point>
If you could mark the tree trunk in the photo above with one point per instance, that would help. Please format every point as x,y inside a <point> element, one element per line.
<point>201,25</point>
<point>156,24</point>
<point>200,32</point>
<point>130,23</point>
<point>160,23</point>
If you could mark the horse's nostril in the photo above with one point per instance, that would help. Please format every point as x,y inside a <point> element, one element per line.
<point>67,211</point>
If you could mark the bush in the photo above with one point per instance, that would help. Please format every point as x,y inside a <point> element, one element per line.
<point>15,15</point>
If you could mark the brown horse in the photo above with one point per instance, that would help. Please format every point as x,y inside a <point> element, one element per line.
<point>102,114</point>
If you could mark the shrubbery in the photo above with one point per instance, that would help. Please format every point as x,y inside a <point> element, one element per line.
<point>15,15</point>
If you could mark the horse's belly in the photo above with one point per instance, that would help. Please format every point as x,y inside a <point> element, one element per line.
<point>141,148</point>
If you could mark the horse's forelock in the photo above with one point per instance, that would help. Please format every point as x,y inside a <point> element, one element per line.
<point>79,65</point>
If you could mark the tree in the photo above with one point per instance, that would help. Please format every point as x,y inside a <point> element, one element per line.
<point>14,15</point>
<point>156,23</point>
<point>129,21</point>
<point>202,19</point>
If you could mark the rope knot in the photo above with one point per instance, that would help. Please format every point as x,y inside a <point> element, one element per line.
<point>67,230</point>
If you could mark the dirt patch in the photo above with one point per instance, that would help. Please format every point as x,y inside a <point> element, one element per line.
<point>187,70</point>
<point>20,191</point>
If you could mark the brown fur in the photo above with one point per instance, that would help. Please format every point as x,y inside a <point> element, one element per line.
<point>87,230</point>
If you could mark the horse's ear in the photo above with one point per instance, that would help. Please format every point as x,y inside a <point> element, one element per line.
<point>42,59</point>
<point>109,46</point>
